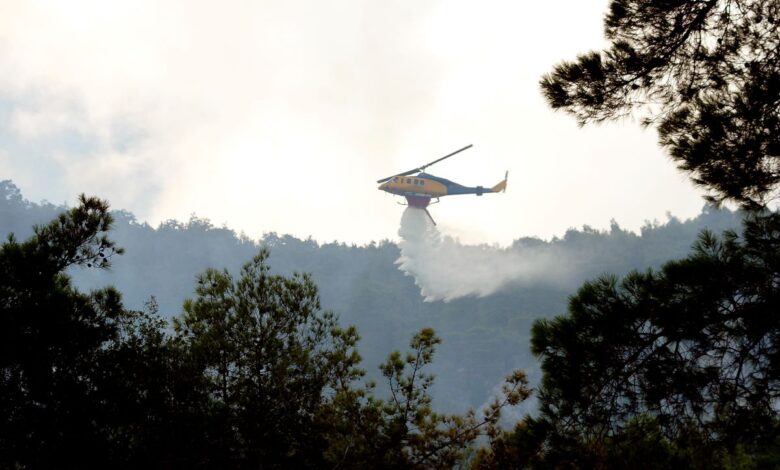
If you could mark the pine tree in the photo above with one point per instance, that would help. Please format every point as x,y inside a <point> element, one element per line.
<point>52,339</point>
<point>705,73</point>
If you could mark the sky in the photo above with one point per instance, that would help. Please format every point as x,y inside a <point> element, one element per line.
<point>280,115</point>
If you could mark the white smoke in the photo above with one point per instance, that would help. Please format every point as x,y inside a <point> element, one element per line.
<point>445,269</point>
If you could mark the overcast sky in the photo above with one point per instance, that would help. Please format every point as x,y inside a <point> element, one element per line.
<point>281,115</point>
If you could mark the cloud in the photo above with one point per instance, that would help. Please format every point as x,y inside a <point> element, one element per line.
<point>279,115</point>
<point>184,97</point>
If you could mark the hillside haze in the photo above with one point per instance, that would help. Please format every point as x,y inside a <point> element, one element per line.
<point>484,337</point>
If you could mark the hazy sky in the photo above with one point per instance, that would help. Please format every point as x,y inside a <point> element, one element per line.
<point>280,115</point>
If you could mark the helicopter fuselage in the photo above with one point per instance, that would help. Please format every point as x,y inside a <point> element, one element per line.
<point>419,189</point>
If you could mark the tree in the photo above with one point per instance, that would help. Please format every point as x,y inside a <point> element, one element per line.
<point>706,73</point>
<point>279,379</point>
<point>404,431</point>
<point>689,352</point>
<point>269,360</point>
<point>695,346</point>
<point>153,409</point>
<point>51,338</point>
<point>83,381</point>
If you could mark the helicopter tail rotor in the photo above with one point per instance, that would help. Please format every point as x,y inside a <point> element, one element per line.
<point>500,187</point>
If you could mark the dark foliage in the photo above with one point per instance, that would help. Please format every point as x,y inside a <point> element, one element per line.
<point>51,342</point>
<point>254,375</point>
<point>404,431</point>
<point>691,351</point>
<point>682,363</point>
<point>266,356</point>
<point>707,73</point>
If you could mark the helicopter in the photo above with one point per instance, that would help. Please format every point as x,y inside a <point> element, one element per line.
<point>419,187</point>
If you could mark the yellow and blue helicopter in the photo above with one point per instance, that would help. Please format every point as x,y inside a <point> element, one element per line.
<point>419,187</point>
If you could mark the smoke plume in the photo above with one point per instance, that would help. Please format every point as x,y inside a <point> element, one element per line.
<point>445,269</point>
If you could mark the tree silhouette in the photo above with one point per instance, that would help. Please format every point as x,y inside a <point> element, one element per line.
<point>268,357</point>
<point>695,343</point>
<point>51,340</point>
<point>706,73</point>
<point>676,367</point>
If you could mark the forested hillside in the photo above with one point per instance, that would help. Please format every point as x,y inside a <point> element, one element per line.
<point>483,338</point>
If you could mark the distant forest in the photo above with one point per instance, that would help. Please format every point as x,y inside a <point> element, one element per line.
<point>483,339</point>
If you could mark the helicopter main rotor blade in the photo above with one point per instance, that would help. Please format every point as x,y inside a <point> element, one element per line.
<point>421,168</point>
<point>446,156</point>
